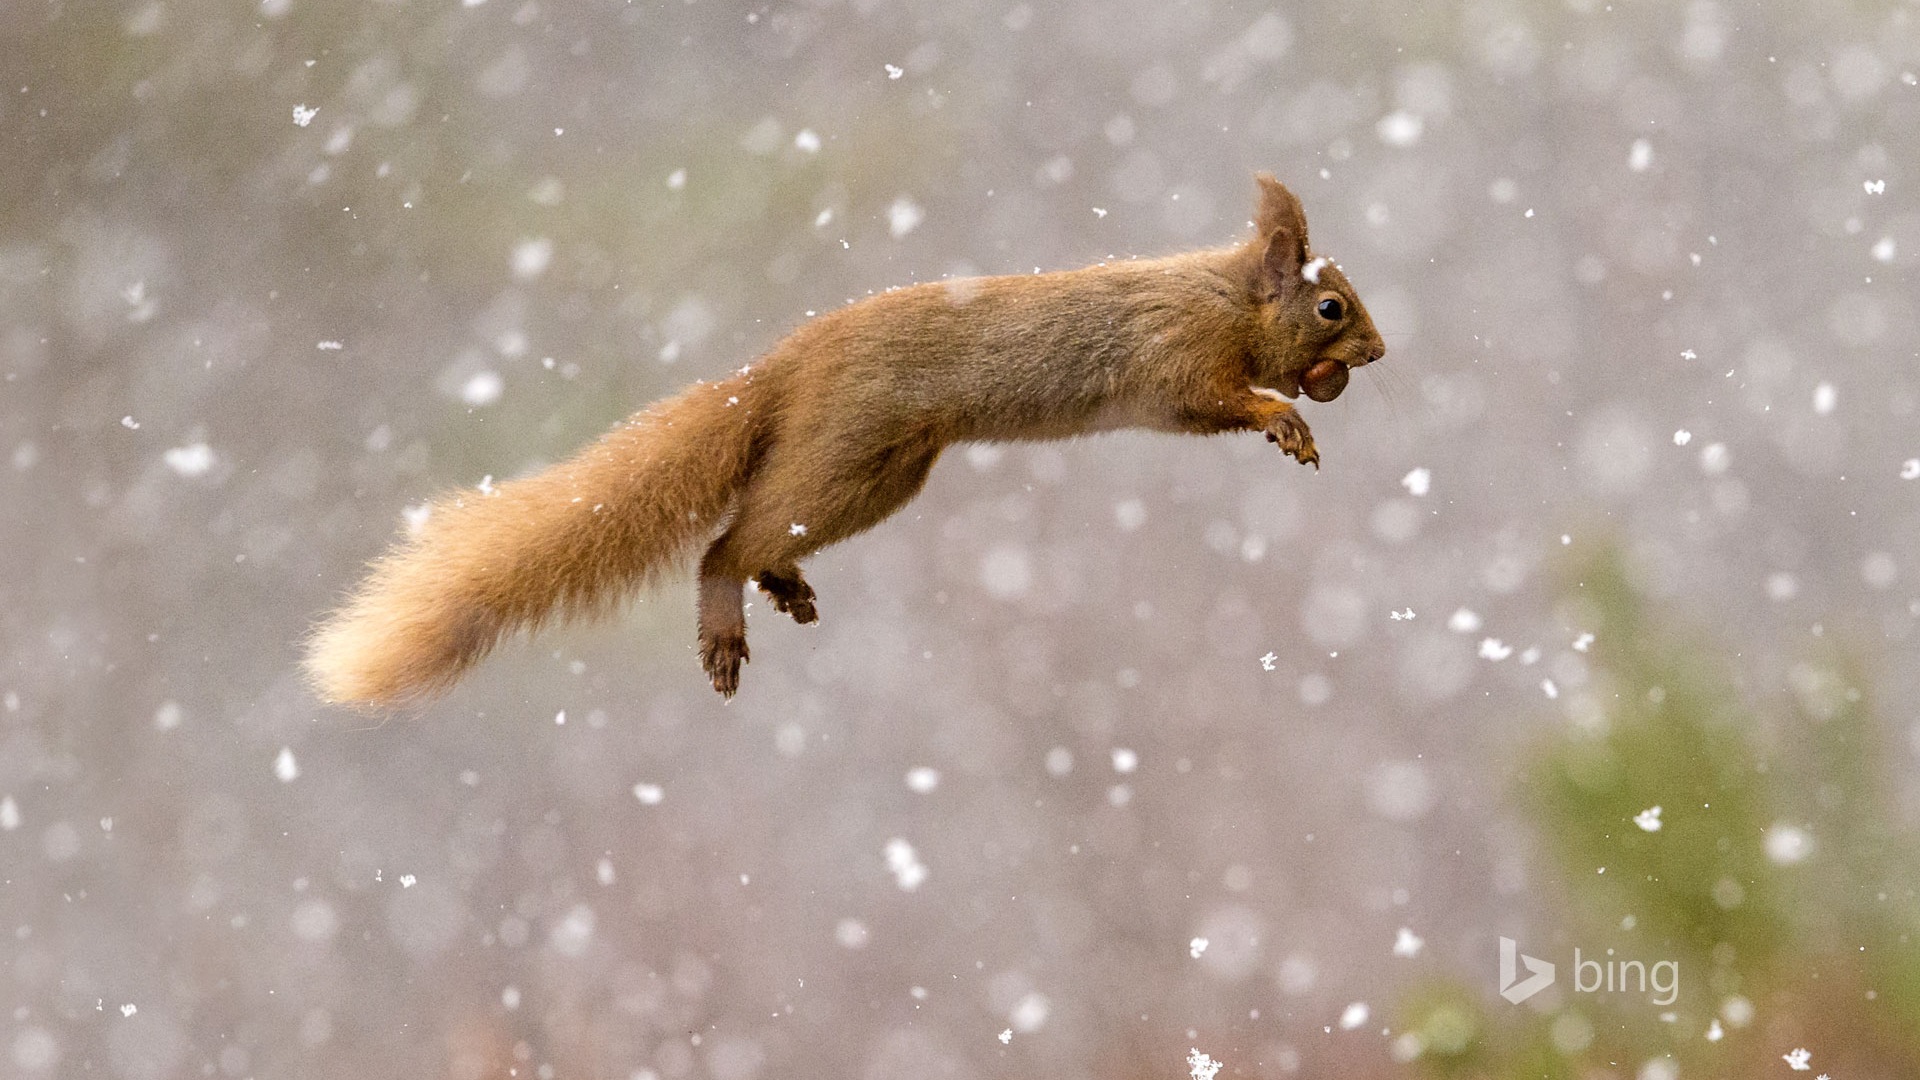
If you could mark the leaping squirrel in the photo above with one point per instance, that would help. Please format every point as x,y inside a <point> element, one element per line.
<point>836,428</point>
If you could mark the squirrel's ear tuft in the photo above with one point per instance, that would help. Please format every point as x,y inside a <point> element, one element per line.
<point>1281,228</point>
<point>1279,209</point>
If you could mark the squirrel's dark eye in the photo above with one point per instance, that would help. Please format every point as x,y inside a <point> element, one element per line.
<point>1330,309</point>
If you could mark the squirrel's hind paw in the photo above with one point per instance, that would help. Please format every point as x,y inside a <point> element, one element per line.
<point>721,656</point>
<point>790,594</point>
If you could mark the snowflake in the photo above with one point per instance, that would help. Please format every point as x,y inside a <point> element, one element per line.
<point>904,216</point>
<point>194,459</point>
<point>1203,1067</point>
<point>1648,819</point>
<point>1797,1059</point>
<point>1399,129</point>
<point>908,871</point>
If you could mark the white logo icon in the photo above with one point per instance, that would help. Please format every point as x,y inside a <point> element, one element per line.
<point>1540,973</point>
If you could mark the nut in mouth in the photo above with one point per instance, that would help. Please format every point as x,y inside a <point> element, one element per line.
<point>1325,380</point>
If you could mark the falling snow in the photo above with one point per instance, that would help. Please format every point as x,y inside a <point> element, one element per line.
<point>904,863</point>
<point>193,459</point>
<point>904,216</point>
<point>483,388</point>
<point>1142,684</point>
<point>1201,1066</point>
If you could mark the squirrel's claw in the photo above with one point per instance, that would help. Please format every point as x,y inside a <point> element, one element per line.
<point>722,657</point>
<point>1290,433</point>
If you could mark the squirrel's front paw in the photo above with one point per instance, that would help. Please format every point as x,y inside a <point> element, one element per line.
<point>1290,433</point>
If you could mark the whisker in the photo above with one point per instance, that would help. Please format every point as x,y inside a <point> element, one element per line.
<point>1393,391</point>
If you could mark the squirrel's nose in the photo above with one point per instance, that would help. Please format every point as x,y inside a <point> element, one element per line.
<point>1379,350</point>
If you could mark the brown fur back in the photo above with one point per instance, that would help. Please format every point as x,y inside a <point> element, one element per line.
<point>569,541</point>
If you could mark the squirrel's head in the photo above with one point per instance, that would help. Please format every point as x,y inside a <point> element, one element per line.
<point>1313,329</point>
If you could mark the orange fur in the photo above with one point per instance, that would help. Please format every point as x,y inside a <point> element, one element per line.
<point>836,429</point>
<point>569,541</point>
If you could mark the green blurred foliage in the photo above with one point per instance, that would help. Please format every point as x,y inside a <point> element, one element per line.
<point>1779,945</point>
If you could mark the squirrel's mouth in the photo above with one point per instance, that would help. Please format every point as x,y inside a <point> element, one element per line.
<point>1285,385</point>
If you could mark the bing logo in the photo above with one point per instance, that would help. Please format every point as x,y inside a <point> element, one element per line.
<point>1660,981</point>
<point>1540,973</point>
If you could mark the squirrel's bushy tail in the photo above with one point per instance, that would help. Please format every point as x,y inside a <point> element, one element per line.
<point>572,540</point>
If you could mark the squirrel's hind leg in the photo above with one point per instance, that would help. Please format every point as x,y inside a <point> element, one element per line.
<point>796,503</point>
<point>723,623</point>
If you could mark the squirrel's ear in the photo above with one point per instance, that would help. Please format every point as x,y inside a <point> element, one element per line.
<point>1281,226</point>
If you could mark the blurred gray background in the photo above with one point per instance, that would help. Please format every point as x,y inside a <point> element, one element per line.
<point>1647,276</point>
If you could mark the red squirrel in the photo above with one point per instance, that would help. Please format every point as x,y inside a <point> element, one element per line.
<point>836,428</point>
